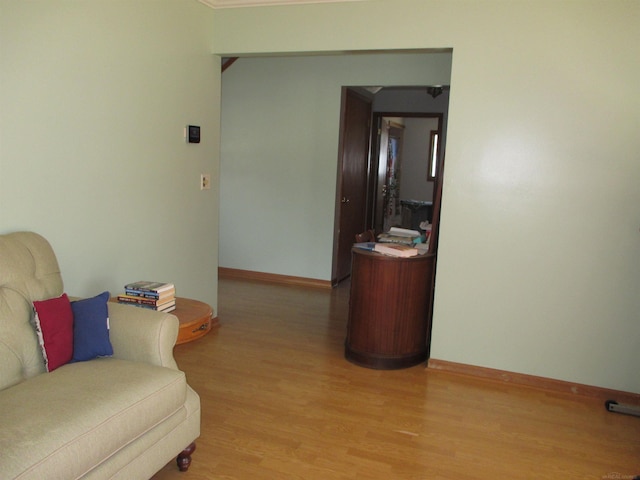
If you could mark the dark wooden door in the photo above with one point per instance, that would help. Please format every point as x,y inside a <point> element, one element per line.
<point>353,168</point>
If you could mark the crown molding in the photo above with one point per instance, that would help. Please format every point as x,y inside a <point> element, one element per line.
<point>262,3</point>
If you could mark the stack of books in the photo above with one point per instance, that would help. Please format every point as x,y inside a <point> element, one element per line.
<point>153,295</point>
<point>400,236</point>
<point>399,242</point>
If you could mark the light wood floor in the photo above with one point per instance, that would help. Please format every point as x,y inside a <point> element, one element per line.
<point>280,402</point>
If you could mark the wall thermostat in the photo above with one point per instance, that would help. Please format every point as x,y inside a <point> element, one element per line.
<point>193,134</point>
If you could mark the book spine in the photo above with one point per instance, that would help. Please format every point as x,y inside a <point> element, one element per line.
<point>147,287</point>
<point>141,300</point>
<point>145,294</point>
<point>161,308</point>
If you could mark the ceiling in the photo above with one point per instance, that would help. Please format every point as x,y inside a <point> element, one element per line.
<point>258,3</point>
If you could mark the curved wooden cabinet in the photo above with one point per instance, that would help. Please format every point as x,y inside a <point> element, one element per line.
<point>389,310</point>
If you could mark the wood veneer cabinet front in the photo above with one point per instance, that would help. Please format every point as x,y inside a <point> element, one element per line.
<point>388,310</point>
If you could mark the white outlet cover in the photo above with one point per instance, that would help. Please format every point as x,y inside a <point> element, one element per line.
<point>205,181</point>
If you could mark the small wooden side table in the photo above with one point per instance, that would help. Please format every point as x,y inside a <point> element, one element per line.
<point>196,319</point>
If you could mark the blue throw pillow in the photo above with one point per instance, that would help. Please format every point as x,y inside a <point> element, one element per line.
<point>91,328</point>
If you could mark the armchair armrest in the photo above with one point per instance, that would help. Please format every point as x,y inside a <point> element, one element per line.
<point>143,335</point>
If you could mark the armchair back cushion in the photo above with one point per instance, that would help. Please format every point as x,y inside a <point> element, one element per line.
<point>30,272</point>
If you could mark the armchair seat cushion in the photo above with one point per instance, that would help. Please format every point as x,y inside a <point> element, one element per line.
<point>86,413</point>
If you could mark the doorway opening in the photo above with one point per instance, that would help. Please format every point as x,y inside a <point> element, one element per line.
<point>397,171</point>
<point>279,134</point>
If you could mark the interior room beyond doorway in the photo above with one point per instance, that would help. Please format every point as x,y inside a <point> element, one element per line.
<point>279,141</point>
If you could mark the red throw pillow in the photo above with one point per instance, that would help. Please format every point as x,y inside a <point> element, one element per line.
<point>54,325</point>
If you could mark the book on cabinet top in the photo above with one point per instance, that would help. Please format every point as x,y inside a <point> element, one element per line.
<point>389,238</point>
<point>396,250</point>
<point>153,287</point>
<point>370,246</point>
<point>151,295</point>
<point>141,300</point>
<point>404,232</point>
<point>166,307</point>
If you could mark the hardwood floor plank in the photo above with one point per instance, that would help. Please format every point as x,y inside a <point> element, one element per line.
<point>279,401</point>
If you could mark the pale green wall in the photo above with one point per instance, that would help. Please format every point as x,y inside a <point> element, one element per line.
<point>94,97</point>
<point>279,153</point>
<point>539,261</point>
